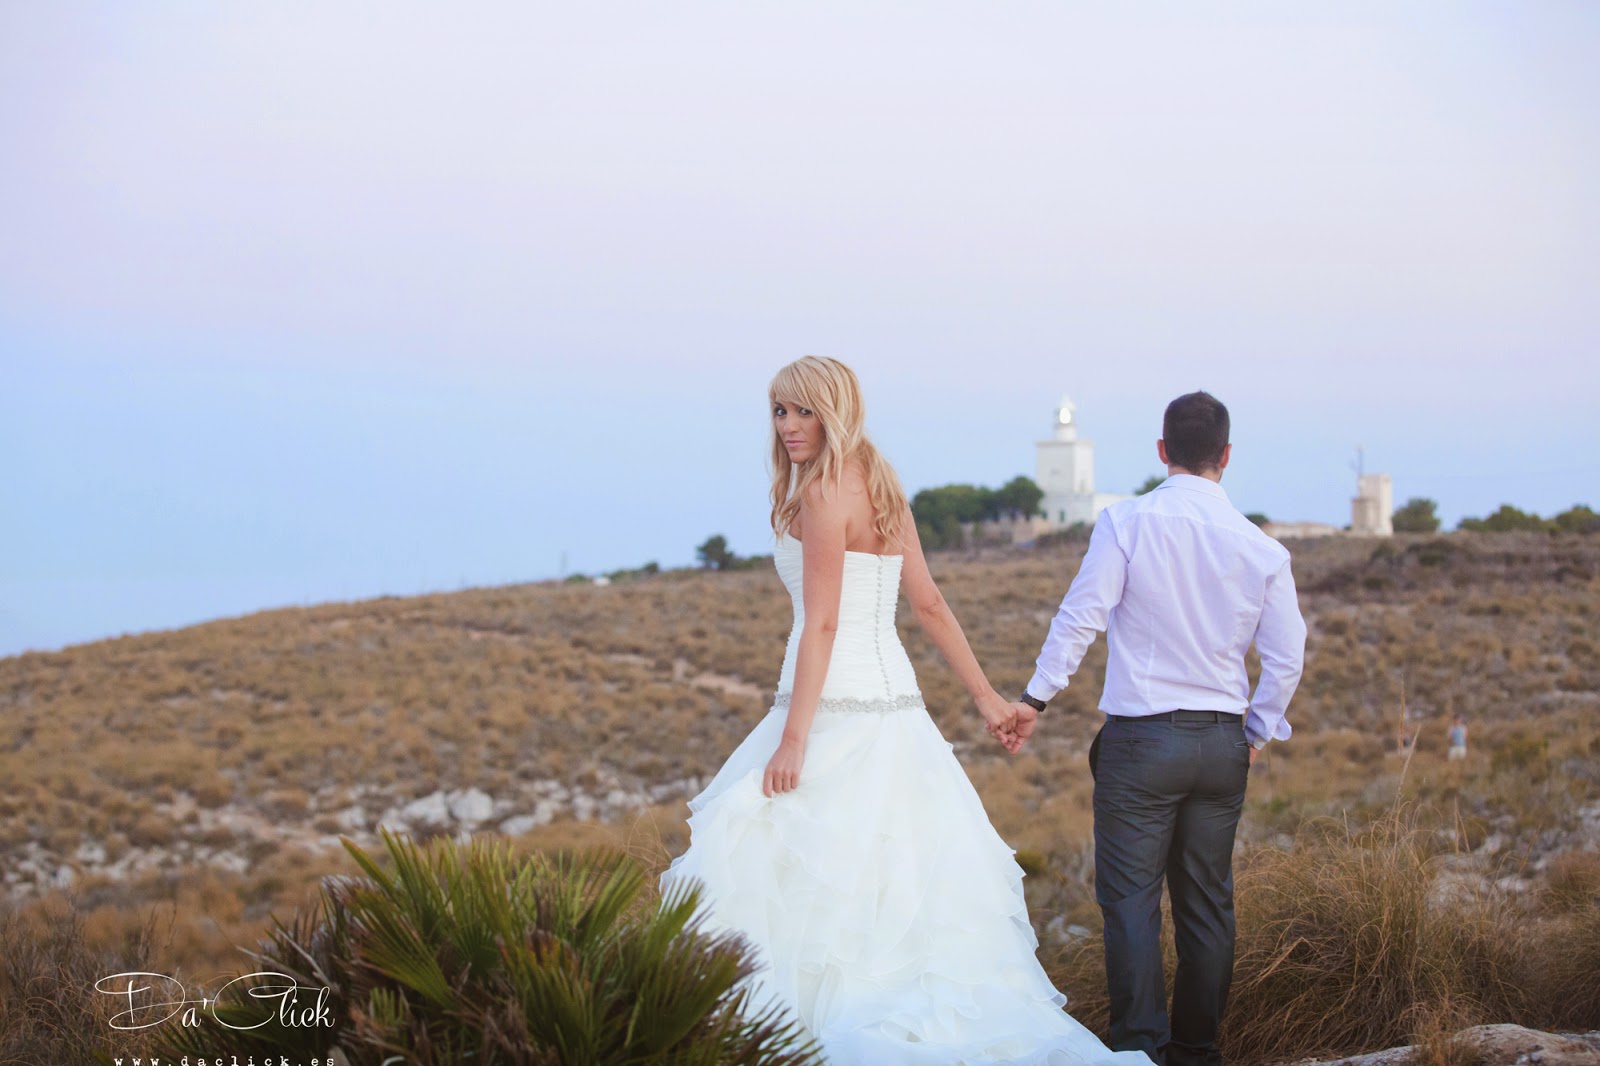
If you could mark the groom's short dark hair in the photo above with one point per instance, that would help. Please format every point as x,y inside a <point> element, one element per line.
<point>1195,429</point>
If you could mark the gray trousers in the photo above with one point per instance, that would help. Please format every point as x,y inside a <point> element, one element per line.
<point>1167,797</point>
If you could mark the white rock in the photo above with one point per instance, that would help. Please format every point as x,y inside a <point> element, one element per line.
<point>91,852</point>
<point>429,810</point>
<point>471,805</point>
<point>352,817</point>
<point>515,827</point>
<point>231,861</point>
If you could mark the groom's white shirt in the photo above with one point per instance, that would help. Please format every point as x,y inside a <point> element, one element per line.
<point>1183,584</point>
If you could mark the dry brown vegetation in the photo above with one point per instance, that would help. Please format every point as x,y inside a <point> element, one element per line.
<point>209,769</point>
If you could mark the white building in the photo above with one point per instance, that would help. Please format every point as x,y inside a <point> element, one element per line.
<point>1299,530</point>
<point>1372,510</point>
<point>1066,473</point>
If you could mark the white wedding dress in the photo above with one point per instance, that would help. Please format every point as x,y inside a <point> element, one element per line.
<point>886,910</point>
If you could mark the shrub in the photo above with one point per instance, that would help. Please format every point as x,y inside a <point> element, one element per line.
<point>1032,862</point>
<point>212,789</point>
<point>1567,973</point>
<point>1574,881</point>
<point>1417,515</point>
<point>1520,753</point>
<point>463,953</point>
<point>1577,519</point>
<point>50,1010</point>
<point>1347,940</point>
<point>1507,519</point>
<point>1345,944</point>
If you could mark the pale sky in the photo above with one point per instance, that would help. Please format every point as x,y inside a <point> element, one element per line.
<point>317,301</point>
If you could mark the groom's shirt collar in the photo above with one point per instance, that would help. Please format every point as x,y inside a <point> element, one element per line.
<point>1195,483</point>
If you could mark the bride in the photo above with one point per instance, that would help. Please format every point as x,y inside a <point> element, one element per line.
<point>842,837</point>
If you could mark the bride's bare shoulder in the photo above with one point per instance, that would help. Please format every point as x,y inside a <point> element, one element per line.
<point>854,478</point>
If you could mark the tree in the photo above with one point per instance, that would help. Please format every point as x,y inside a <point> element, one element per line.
<point>626,574</point>
<point>714,553</point>
<point>1149,483</point>
<point>1258,518</point>
<point>1019,496</point>
<point>942,510</point>
<point>967,503</point>
<point>1419,515</point>
<point>1578,518</point>
<point>1506,520</point>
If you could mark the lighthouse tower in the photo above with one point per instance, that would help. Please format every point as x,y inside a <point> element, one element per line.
<point>1066,472</point>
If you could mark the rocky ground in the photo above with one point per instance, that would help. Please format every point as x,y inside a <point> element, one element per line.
<point>232,836</point>
<point>1489,1045</point>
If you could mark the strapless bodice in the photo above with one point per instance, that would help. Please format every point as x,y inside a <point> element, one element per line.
<point>869,669</point>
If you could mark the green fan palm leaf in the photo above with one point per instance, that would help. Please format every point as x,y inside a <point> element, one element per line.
<point>462,954</point>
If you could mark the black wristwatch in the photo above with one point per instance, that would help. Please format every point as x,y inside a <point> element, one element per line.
<point>1033,701</point>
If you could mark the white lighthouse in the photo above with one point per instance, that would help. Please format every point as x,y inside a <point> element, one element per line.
<point>1066,473</point>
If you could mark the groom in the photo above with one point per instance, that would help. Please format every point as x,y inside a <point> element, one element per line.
<point>1183,584</point>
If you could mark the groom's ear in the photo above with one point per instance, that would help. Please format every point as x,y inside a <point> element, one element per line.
<point>1161,452</point>
<point>1227,450</point>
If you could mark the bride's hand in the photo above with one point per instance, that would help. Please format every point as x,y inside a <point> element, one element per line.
<point>783,770</point>
<point>999,717</point>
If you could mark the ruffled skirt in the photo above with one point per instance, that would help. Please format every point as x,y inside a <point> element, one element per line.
<point>887,911</point>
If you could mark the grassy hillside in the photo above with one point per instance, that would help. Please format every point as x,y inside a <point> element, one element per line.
<point>213,767</point>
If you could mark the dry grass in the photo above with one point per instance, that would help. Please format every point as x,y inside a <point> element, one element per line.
<point>1435,1040</point>
<point>281,715</point>
<point>1356,939</point>
<point>50,1010</point>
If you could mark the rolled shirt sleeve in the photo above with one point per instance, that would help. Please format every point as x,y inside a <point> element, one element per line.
<point>1085,611</point>
<point>1280,641</point>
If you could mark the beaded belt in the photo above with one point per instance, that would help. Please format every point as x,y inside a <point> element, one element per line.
<point>859,705</point>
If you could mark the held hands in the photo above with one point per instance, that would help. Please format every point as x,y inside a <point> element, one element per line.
<point>1027,718</point>
<point>1003,720</point>
<point>783,770</point>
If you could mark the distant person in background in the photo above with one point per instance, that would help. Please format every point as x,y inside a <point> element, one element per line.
<point>1182,584</point>
<point>1458,739</point>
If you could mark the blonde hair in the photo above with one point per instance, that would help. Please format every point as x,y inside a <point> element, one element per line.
<point>830,390</point>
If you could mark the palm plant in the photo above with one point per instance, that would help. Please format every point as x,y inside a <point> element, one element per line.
<point>465,955</point>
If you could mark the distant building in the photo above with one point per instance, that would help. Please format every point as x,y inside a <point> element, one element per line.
<point>1371,514</point>
<point>1372,510</point>
<point>1299,530</point>
<point>1066,473</point>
